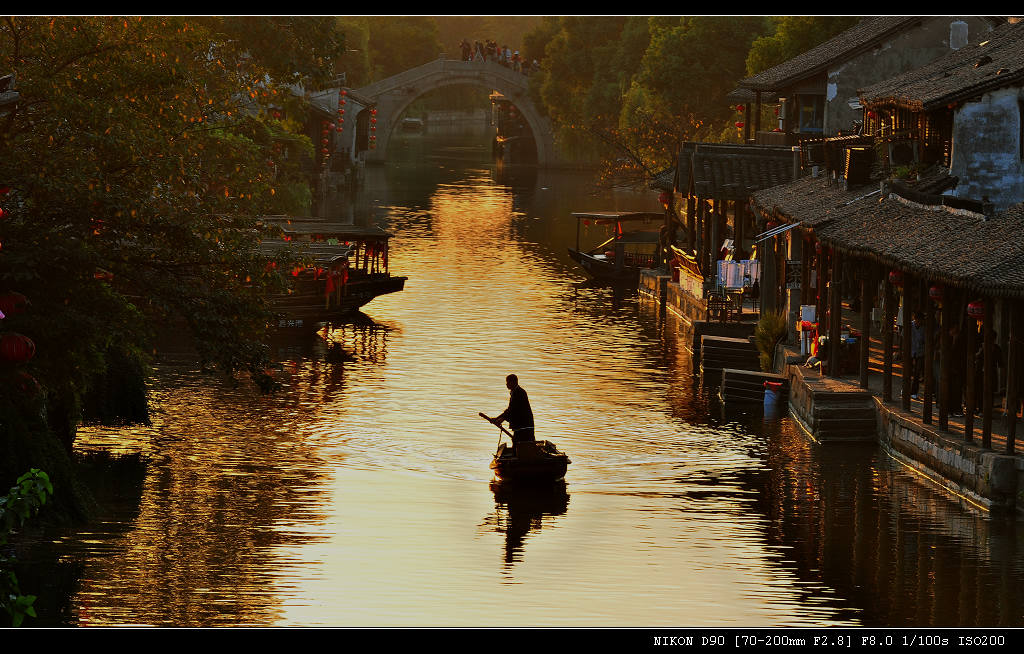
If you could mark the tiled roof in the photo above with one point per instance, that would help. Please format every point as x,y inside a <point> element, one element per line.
<point>960,248</point>
<point>732,172</point>
<point>861,36</point>
<point>995,62</point>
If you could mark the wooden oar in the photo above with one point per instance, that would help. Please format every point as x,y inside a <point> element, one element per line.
<point>484,416</point>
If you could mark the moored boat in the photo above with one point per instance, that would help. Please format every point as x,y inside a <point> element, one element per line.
<point>348,269</point>
<point>621,257</point>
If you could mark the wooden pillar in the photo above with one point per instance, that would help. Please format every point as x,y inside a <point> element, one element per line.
<point>890,317</point>
<point>746,123</point>
<point>705,234</point>
<point>929,358</point>
<point>866,302</point>
<point>805,272</point>
<point>835,320</point>
<point>739,217</point>
<point>714,238</point>
<point>988,387</point>
<point>945,357</point>
<point>821,299</point>
<point>971,335</point>
<point>757,113</point>
<point>905,332</point>
<point>1013,373</point>
<point>691,223</point>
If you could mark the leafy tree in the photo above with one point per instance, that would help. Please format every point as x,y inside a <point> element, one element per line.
<point>29,493</point>
<point>139,157</point>
<point>791,36</point>
<point>398,43</point>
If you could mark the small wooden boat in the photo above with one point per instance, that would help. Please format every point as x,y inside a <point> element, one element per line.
<point>628,251</point>
<point>530,461</point>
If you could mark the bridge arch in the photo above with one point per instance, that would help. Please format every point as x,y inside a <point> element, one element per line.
<point>393,95</point>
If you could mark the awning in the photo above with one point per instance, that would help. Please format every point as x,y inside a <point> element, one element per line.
<point>774,231</point>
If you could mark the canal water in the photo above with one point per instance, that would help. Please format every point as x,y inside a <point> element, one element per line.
<point>360,494</point>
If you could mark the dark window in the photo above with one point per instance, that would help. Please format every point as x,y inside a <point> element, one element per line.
<point>811,114</point>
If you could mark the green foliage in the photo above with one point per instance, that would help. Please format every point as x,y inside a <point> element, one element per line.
<point>23,501</point>
<point>771,330</point>
<point>634,88</point>
<point>791,36</point>
<point>398,43</point>
<point>137,159</point>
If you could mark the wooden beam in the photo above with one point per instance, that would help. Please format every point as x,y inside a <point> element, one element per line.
<point>971,335</point>
<point>1013,374</point>
<point>945,357</point>
<point>906,332</point>
<point>890,318</point>
<point>691,223</point>
<point>866,302</point>
<point>988,386</point>
<point>835,320</point>
<point>929,358</point>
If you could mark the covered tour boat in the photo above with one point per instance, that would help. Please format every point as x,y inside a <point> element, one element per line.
<point>632,246</point>
<point>348,269</point>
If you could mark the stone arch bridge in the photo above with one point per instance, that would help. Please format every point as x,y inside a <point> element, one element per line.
<point>394,94</point>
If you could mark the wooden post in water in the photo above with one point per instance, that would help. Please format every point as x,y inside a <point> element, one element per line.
<point>988,386</point>
<point>972,330</point>
<point>1013,374</point>
<point>890,318</point>
<point>835,320</point>
<point>945,357</point>
<point>866,302</point>
<point>929,358</point>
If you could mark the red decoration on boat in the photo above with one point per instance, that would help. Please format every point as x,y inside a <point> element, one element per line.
<point>16,348</point>
<point>976,309</point>
<point>896,278</point>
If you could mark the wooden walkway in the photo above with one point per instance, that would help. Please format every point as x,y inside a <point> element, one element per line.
<point>956,423</point>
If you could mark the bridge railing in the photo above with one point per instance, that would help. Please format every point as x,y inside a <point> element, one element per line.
<point>445,66</point>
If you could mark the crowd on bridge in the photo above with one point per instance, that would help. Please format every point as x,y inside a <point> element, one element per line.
<point>489,50</point>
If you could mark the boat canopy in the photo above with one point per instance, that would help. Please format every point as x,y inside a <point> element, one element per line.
<point>619,216</point>
<point>316,229</point>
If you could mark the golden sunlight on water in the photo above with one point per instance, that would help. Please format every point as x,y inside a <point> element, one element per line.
<point>360,495</point>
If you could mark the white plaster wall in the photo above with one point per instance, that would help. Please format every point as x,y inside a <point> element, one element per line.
<point>986,152</point>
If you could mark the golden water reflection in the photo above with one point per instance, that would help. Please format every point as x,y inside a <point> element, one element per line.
<point>360,495</point>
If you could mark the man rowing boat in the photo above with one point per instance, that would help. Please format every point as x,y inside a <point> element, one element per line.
<point>518,414</point>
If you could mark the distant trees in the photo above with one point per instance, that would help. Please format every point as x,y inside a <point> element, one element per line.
<point>632,89</point>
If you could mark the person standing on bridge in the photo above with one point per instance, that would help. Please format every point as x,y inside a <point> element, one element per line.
<point>467,50</point>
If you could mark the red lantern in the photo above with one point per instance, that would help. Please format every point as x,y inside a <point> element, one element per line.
<point>935,293</point>
<point>817,247</point>
<point>976,310</point>
<point>739,125</point>
<point>13,303</point>
<point>324,150</point>
<point>373,112</point>
<point>896,278</point>
<point>324,141</point>
<point>342,101</point>
<point>344,92</point>
<point>771,224</point>
<point>665,199</point>
<point>16,348</point>
<point>739,108</point>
